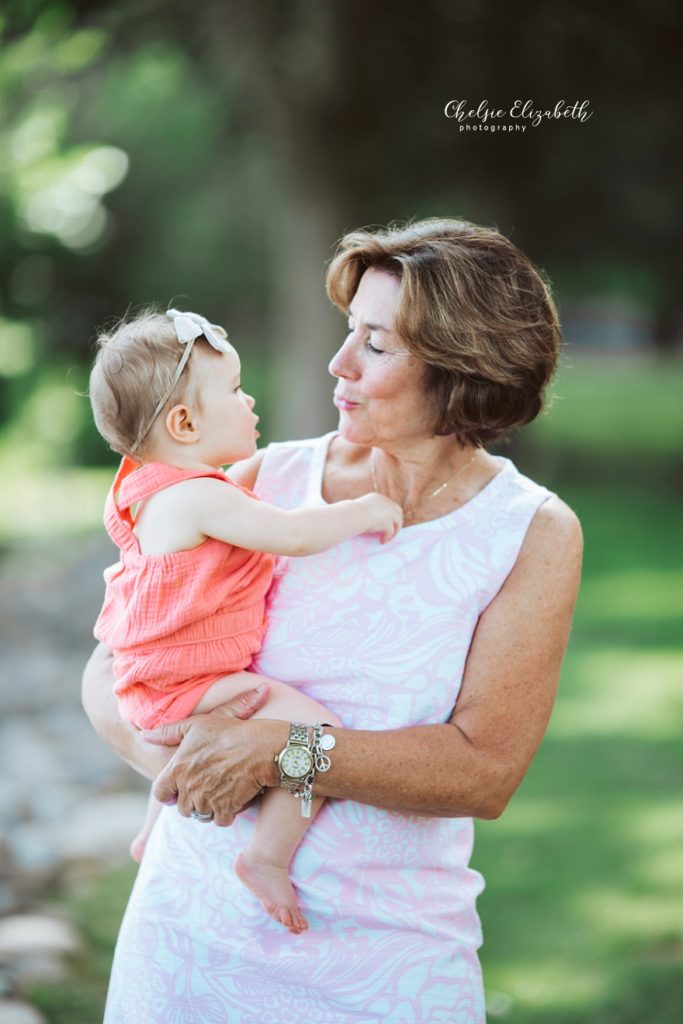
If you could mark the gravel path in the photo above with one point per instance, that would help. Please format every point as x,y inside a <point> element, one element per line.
<point>65,800</point>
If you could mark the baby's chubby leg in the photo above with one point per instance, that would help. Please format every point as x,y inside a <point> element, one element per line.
<point>279,828</point>
<point>224,691</point>
<point>137,847</point>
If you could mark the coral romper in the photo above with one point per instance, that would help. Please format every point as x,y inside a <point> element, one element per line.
<point>176,622</point>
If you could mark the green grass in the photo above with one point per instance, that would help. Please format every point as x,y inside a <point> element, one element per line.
<point>583,912</point>
<point>95,907</point>
<point>614,408</point>
<point>49,503</point>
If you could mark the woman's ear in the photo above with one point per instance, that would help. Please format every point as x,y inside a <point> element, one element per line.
<point>181,426</point>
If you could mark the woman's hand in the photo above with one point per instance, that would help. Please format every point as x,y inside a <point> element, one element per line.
<point>221,763</point>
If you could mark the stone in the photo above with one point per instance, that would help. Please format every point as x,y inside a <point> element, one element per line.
<point>33,948</point>
<point>68,804</point>
<point>8,897</point>
<point>7,985</point>
<point>13,805</point>
<point>24,934</point>
<point>29,757</point>
<point>54,801</point>
<point>38,968</point>
<point>12,1011</point>
<point>34,849</point>
<point>102,827</point>
<point>55,592</point>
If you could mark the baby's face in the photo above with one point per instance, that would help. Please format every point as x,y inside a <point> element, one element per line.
<point>227,423</point>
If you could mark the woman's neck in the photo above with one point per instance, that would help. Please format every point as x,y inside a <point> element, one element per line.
<point>429,476</point>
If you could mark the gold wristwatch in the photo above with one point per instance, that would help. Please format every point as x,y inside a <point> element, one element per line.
<point>295,761</point>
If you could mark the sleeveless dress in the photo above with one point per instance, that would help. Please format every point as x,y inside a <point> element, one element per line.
<point>176,622</point>
<point>380,634</point>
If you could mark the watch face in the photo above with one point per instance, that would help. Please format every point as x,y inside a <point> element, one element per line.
<point>296,762</point>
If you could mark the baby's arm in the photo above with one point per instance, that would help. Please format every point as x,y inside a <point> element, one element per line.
<point>226,513</point>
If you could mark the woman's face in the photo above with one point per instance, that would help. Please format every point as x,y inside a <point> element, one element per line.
<point>378,394</point>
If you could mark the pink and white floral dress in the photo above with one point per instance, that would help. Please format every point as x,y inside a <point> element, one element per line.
<point>379,634</point>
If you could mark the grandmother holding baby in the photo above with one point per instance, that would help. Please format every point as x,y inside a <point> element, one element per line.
<point>438,652</point>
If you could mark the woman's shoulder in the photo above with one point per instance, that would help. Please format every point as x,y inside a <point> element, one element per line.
<point>552,521</point>
<point>556,521</point>
<point>281,459</point>
<point>554,540</point>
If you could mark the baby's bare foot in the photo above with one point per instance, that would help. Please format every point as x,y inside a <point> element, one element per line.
<point>137,847</point>
<point>272,887</point>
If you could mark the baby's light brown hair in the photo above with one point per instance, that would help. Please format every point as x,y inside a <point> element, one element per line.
<point>133,370</point>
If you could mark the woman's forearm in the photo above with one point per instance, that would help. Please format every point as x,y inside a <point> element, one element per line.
<point>431,770</point>
<point>100,706</point>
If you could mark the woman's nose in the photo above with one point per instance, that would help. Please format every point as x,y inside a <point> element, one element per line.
<point>343,363</point>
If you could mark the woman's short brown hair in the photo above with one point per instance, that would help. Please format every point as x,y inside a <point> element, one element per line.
<point>473,308</point>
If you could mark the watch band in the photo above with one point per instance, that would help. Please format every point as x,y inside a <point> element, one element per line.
<point>298,733</point>
<point>298,737</point>
<point>302,788</point>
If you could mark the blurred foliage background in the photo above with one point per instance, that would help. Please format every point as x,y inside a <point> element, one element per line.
<point>209,156</point>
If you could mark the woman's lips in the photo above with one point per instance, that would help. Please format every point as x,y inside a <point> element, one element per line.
<point>344,403</point>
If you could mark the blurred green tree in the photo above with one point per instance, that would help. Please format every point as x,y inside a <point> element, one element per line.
<point>252,135</point>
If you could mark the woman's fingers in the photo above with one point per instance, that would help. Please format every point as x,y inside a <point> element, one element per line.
<point>169,735</point>
<point>165,789</point>
<point>217,766</point>
<point>184,805</point>
<point>223,820</point>
<point>245,704</point>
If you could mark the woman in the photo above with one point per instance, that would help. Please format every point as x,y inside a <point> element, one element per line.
<point>440,652</point>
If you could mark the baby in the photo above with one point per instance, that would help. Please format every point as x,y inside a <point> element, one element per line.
<point>184,609</point>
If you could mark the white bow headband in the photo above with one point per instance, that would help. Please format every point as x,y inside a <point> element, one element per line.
<point>188,327</point>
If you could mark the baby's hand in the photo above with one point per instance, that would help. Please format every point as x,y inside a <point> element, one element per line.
<point>384,515</point>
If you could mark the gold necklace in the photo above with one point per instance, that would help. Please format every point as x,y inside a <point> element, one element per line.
<point>409,510</point>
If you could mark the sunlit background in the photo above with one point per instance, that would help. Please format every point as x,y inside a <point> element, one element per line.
<point>209,156</point>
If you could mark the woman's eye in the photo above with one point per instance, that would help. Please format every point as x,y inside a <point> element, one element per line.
<point>373,348</point>
<point>367,343</point>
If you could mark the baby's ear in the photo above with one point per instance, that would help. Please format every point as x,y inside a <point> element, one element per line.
<point>181,425</point>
